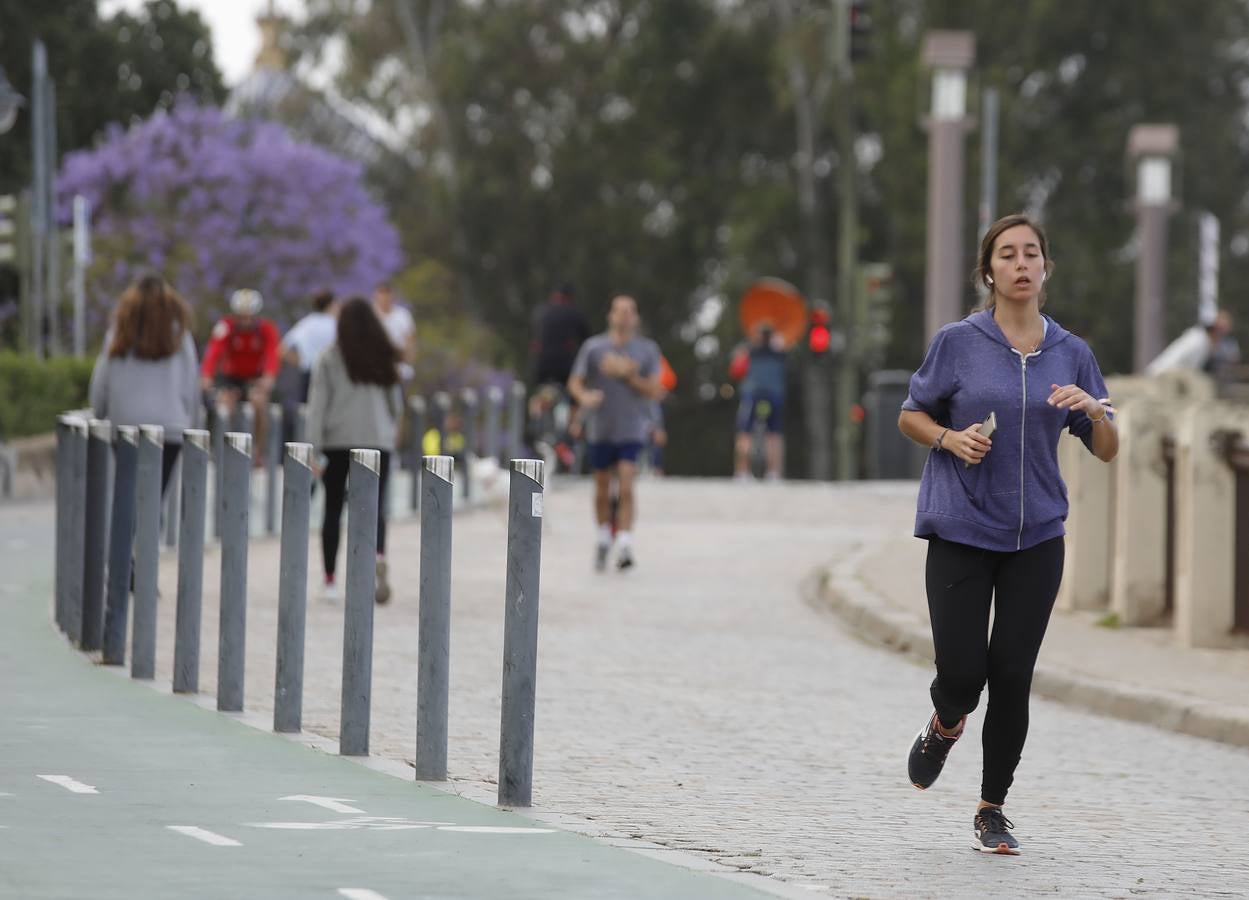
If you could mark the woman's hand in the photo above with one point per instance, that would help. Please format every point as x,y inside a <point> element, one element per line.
<point>969,445</point>
<point>1072,397</point>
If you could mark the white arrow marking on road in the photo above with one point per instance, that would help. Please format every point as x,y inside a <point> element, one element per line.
<point>334,804</point>
<point>360,894</point>
<point>70,784</point>
<point>202,834</point>
<point>491,829</point>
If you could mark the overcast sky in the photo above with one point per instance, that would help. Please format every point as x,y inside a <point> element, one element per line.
<point>233,23</point>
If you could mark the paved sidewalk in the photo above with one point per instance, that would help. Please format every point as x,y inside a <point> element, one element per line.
<point>110,790</point>
<point>702,705</point>
<point>1133,673</point>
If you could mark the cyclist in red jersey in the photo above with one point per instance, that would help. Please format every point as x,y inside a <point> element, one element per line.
<point>242,360</point>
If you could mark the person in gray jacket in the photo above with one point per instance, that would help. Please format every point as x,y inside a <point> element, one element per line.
<point>354,402</point>
<point>147,372</point>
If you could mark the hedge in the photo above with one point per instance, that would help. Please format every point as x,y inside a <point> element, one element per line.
<point>34,391</point>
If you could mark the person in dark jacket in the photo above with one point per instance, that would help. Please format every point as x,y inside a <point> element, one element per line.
<point>992,508</point>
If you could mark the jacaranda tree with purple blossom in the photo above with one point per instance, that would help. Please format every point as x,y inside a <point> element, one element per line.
<point>215,204</point>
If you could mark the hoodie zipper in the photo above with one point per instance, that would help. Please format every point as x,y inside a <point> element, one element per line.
<point>1023,424</point>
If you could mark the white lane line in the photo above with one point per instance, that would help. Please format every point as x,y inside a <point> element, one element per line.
<point>491,829</point>
<point>202,834</point>
<point>333,804</point>
<point>360,894</point>
<point>70,784</point>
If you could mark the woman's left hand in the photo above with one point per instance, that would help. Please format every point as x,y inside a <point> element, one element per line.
<point>1072,397</point>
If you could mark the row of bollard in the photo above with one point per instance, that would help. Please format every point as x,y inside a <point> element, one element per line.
<point>105,551</point>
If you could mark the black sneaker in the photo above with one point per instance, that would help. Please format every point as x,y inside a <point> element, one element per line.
<point>624,559</point>
<point>928,753</point>
<point>993,832</point>
<point>600,557</point>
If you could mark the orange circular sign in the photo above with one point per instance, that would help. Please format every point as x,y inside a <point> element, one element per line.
<point>771,301</point>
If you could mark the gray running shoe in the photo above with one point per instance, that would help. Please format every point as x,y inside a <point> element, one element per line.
<point>993,832</point>
<point>624,559</point>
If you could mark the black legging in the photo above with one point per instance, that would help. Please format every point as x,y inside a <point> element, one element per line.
<point>335,478</point>
<point>962,582</point>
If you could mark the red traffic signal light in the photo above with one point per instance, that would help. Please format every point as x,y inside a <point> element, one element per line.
<point>818,338</point>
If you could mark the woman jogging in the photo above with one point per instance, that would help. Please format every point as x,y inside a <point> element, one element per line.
<point>992,507</point>
<point>354,402</point>
<point>146,373</point>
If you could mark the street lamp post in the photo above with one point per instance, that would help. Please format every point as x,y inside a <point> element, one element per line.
<point>949,54</point>
<point>1151,153</point>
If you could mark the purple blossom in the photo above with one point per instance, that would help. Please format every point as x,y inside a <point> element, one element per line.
<point>217,204</point>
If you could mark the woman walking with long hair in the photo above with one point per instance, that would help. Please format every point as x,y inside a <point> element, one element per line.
<point>147,373</point>
<point>992,507</point>
<point>354,402</point>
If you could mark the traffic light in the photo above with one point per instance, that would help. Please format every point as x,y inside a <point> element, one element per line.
<point>819,337</point>
<point>860,31</point>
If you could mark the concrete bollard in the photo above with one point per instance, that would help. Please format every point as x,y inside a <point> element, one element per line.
<point>520,632</point>
<point>121,544</point>
<point>273,458</point>
<point>173,502</point>
<point>288,691</point>
<point>95,524</point>
<point>221,419</point>
<point>469,400</point>
<point>434,630</point>
<point>61,557</point>
<point>362,500</point>
<point>494,423</point>
<point>76,524</point>
<point>516,420</point>
<point>146,550</point>
<point>416,441</point>
<point>235,520</point>
<point>186,648</point>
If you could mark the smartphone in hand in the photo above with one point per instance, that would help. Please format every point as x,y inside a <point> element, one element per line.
<point>987,427</point>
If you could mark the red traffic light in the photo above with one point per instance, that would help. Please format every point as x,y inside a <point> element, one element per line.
<point>818,339</point>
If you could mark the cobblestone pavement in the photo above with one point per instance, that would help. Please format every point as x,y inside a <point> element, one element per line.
<point>699,703</point>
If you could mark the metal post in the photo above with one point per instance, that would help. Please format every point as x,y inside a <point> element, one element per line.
<point>39,212</point>
<point>62,519</point>
<point>416,440</point>
<point>1152,149</point>
<point>469,399</point>
<point>146,551</point>
<point>288,692</point>
<point>99,450</point>
<point>76,523</point>
<point>494,422</point>
<point>82,258</point>
<point>186,648</point>
<point>173,500</point>
<point>949,54</point>
<point>520,632</point>
<point>273,458</point>
<point>121,544</point>
<point>235,510</point>
<point>988,160</point>
<point>516,420</point>
<point>434,641</point>
<point>362,499</point>
<point>221,417</point>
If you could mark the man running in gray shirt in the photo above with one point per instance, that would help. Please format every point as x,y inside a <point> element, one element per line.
<point>615,379</point>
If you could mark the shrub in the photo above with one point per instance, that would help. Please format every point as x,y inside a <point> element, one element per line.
<point>33,391</point>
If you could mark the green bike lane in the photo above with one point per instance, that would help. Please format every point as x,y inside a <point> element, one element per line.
<point>109,789</point>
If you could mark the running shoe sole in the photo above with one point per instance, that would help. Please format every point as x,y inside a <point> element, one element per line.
<point>999,850</point>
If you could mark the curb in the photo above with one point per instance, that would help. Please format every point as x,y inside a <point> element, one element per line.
<point>841,589</point>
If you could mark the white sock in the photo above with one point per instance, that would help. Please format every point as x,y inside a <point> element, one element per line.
<point>604,535</point>
<point>624,540</point>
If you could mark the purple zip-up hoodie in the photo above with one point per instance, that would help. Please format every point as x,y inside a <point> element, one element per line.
<point>1015,498</point>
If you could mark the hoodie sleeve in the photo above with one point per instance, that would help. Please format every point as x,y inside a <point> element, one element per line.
<point>318,403</point>
<point>1089,379</point>
<point>934,382</point>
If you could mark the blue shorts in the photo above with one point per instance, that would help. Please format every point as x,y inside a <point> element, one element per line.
<point>754,407</point>
<point>605,455</point>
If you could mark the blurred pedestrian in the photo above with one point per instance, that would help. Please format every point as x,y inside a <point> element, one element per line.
<point>241,362</point>
<point>992,508</point>
<point>354,402</point>
<point>557,332</point>
<point>399,325</point>
<point>616,378</point>
<point>146,372</point>
<point>762,364</point>
<point>310,337</point>
<point>1207,347</point>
